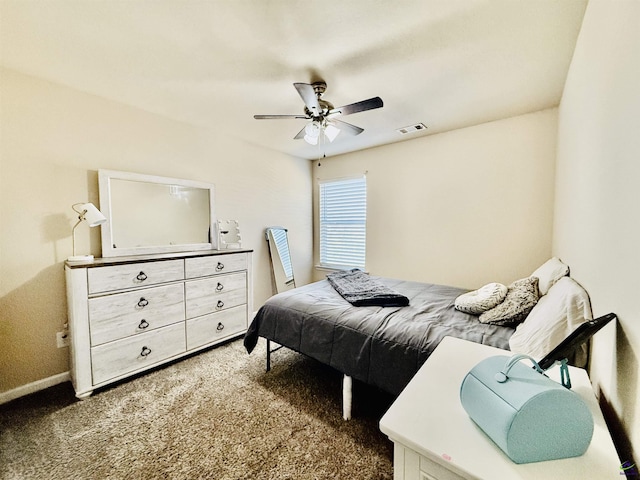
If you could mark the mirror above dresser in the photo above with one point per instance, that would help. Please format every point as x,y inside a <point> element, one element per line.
<point>149,214</point>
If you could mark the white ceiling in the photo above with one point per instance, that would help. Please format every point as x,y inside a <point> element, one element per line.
<point>445,63</point>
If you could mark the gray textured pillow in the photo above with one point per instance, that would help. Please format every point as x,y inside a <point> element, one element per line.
<point>520,300</point>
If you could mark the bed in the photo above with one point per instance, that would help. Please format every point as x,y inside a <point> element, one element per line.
<point>382,346</point>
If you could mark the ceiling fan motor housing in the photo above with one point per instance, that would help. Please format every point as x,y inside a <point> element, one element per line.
<point>324,109</point>
<point>319,88</point>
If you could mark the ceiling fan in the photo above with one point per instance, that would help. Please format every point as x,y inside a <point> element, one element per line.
<point>323,114</point>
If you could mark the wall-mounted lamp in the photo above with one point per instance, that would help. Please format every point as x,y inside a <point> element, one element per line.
<point>94,217</point>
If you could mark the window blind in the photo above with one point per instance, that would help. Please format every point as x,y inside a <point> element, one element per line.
<point>343,219</point>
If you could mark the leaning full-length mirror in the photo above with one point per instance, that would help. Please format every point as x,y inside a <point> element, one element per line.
<point>281,266</point>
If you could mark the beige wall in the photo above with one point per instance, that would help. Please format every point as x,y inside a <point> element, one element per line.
<point>54,139</point>
<point>597,227</point>
<point>461,208</point>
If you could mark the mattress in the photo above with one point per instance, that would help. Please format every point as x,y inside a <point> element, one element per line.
<point>381,346</point>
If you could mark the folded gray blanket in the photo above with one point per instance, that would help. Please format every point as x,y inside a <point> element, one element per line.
<point>360,290</point>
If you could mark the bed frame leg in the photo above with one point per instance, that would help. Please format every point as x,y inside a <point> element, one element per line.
<point>268,354</point>
<point>270,351</point>
<point>347,384</point>
<point>346,397</point>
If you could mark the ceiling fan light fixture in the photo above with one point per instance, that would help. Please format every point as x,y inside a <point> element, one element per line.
<point>311,140</point>
<point>312,132</point>
<point>313,129</point>
<point>331,132</point>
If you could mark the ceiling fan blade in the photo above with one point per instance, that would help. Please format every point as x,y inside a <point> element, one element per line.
<point>308,95</point>
<point>370,104</point>
<point>300,134</point>
<point>347,127</point>
<point>271,117</point>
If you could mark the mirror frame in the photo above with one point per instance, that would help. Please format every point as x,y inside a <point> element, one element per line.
<point>104,183</point>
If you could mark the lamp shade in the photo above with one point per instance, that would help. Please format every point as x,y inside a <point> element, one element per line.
<point>312,129</point>
<point>92,215</point>
<point>331,132</point>
<point>311,140</point>
<point>312,132</point>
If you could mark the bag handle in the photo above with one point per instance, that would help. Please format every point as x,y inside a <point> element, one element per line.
<point>503,375</point>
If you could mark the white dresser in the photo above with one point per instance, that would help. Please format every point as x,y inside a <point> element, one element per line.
<point>434,438</point>
<point>129,314</point>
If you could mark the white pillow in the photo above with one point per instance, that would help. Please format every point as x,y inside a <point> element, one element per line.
<point>554,317</point>
<point>549,273</point>
<point>481,300</point>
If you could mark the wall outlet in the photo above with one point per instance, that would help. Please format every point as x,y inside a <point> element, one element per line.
<point>62,339</point>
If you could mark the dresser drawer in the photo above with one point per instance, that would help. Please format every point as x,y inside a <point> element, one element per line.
<point>216,326</point>
<point>136,353</point>
<point>431,470</point>
<point>215,293</point>
<point>206,266</point>
<point>119,277</point>
<point>123,314</point>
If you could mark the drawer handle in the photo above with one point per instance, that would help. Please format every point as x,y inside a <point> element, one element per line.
<point>220,267</point>
<point>141,276</point>
<point>143,302</point>
<point>143,324</point>
<point>220,287</point>
<point>145,351</point>
<point>220,326</point>
<point>220,304</point>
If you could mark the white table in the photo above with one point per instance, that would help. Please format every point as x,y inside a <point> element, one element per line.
<point>434,438</point>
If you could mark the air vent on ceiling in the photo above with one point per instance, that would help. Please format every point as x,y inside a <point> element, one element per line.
<point>411,128</point>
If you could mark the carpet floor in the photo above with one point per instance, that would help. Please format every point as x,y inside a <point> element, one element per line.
<point>215,415</point>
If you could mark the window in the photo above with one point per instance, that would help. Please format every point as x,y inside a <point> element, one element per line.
<point>343,223</point>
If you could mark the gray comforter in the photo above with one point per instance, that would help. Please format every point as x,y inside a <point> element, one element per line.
<point>382,346</point>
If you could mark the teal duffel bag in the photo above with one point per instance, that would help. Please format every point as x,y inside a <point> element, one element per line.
<point>528,415</point>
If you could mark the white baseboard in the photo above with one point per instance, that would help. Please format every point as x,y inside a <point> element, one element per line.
<point>34,387</point>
